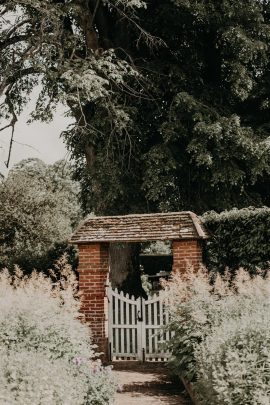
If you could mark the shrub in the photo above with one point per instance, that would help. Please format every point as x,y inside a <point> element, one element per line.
<point>233,362</point>
<point>30,377</point>
<point>222,340</point>
<point>188,320</point>
<point>240,238</point>
<point>46,355</point>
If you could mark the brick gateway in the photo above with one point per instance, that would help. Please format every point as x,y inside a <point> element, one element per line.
<point>93,237</point>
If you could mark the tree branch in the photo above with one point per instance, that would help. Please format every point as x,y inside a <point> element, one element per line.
<point>13,40</point>
<point>10,146</point>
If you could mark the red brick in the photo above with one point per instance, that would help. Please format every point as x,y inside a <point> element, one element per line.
<point>93,269</point>
<point>184,253</point>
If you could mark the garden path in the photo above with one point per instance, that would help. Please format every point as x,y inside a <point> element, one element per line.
<point>147,384</point>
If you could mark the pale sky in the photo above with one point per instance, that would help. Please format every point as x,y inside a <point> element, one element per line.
<point>43,139</point>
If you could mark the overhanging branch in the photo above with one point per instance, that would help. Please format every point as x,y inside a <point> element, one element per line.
<point>10,146</point>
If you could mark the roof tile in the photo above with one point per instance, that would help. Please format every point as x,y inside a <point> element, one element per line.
<point>140,228</point>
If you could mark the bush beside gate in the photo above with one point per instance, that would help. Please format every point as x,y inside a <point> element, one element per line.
<point>46,355</point>
<point>222,336</point>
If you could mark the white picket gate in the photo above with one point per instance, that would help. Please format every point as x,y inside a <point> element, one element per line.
<point>136,327</point>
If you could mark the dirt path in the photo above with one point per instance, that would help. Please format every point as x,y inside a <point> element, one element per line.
<point>147,384</point>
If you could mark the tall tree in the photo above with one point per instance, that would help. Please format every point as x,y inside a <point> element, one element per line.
<point>214,129</point>
<point>170,98</point>
<point>173,119</point>
<point>39,208</point>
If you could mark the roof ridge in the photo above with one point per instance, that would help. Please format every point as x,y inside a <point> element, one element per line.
<point>140,215</point>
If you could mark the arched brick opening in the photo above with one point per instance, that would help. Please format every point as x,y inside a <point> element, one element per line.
<point>93,237</point>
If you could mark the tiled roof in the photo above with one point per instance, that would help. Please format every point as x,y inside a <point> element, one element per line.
<point>140,228</point>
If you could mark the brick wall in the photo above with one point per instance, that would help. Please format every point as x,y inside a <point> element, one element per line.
<point>93,269</point>
<point>186,252</point>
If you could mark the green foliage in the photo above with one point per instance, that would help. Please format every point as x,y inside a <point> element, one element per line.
<point>170,98</point>
<point>38,210</point>
<point>212,145</point>
<point>46,353</point>
<point>239,238</point>
<point>233,362</point>
<point>221,335</point>
<point>189,304</point>
<point>183,344</point>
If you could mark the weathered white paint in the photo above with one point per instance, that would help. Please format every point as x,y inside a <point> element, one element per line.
<point>135,327</point>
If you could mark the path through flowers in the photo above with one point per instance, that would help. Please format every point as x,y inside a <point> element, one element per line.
<point>147,384</point>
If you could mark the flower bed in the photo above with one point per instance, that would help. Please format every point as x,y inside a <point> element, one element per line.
<point>222,336</point>
<point>46,355</point>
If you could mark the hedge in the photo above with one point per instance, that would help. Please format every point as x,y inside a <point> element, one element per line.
<point>239,238</point>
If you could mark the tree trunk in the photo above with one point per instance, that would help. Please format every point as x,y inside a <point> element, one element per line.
<point>124,258</point>
<point>125,268</point>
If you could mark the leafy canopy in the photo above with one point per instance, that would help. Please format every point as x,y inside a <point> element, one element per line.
<point>39,208</point>
<point>170,98</point>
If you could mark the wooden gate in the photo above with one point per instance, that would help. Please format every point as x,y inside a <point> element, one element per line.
<point>136,327</point>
